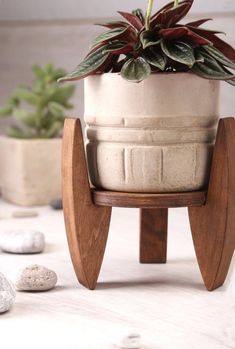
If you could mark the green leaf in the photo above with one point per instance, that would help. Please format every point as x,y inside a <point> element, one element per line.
<point>90,65</point>
<point>26,95</point>
<point>62,94</point>
<point>219,56</point>
<point>155,57</point>
<point>6,111</point>
<point>38,71</point>
<point>58,73</point>
<point>54,130</point>
<point>13,101</point>
<point>56,109</point>
<point>147,39</point>
<point>17,132</point>
<point>109,35</point>
<point>136,69</point>
<point>48,68</point>
<point>179,51</point>
<point>25,117</point>
<point>211,69</point>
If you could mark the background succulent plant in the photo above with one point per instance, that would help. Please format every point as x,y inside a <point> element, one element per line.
<point>139,45</point>
<point>46,103</point>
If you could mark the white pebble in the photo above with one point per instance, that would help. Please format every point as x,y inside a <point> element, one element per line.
<point>24,214</point>
<point>7,294</point>
<point>131,341</point>
<point>35,278</point>
<point>22,241</point>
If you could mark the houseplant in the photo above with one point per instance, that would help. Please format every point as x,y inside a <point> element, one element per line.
<point>157,135</point>
<point>30,153</point>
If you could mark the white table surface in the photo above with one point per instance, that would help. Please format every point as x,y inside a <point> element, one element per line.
<point>167,304</point>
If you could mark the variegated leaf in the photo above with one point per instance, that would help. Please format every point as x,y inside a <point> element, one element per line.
<point>219,56</point>
<point>179,52</point>
<point>90,65</point>
<point>136,69</point>
<point>211,69</point>
<point>110,35</point>
<point>155,57</point>
<point>147,39</point>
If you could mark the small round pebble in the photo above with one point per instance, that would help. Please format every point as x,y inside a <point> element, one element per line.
<point>35,278</point>
<point>56,204</point>
<point>131,341</point>
<point>22,241</point>
<point>7,294</point>
<point>24,214</point>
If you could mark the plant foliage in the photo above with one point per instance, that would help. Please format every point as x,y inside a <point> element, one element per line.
<point>46,102</point>
<point>138,45</point>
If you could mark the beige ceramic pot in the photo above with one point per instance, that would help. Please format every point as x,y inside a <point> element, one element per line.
<point>154,136</point>
<point>30,170</point>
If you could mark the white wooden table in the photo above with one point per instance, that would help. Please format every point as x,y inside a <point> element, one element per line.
<point>166,304</point>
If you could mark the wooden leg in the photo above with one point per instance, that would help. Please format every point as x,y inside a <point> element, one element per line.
<point>87,225</point>
<point>213,225</point>
<point>153,235</point>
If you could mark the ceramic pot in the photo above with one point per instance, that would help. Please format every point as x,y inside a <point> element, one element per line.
<point>30,170</point>
<point>154,136</point>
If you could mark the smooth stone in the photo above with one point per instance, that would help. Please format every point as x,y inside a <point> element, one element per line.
<point>56,204</point>
<point>24,214</point>
<point>7,294</point>
<point>131,341</point>
<point>22,241</point>
<point>35,278</point>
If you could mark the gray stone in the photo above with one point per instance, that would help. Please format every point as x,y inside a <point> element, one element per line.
<point>22,241</point>
<point>131,341</point>
<point>7,294</point>
<point>56,204</point>
<point>35,278</point>
<point>24,214</point>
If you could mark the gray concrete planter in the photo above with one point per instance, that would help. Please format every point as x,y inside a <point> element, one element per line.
<point>30,170</point>
<point>155,136</point>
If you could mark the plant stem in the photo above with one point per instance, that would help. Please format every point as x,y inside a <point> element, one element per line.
<point>176,3</point>
<point>148,14</point>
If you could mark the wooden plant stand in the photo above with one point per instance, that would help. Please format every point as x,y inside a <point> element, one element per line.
<point>87,211</point>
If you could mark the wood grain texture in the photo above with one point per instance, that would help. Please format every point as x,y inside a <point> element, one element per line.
<point>138,200</point>
<point>86,224</point>
<point>213,225</point>
<point>153,235</point>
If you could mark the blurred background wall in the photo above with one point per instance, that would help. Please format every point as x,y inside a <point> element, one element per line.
<point>59,31</point>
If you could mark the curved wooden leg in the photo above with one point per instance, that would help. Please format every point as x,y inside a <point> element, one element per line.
<point>213,225</point>
<point>87,225</point>
<point>153,235</point>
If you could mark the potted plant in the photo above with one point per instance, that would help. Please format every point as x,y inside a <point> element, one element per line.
<point>30,153</point>
<point>156,135</point>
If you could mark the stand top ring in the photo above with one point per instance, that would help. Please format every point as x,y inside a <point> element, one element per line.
<point>151,200</point>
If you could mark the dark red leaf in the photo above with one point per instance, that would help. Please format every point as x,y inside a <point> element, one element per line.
<point>171,15</point>
<point>164,8</point>
<point>113,25</point>
<point>198,22</point>
<point>183,32</point>
<point>221,45</point>
<point>132,19</point>
<point>202,31</point>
